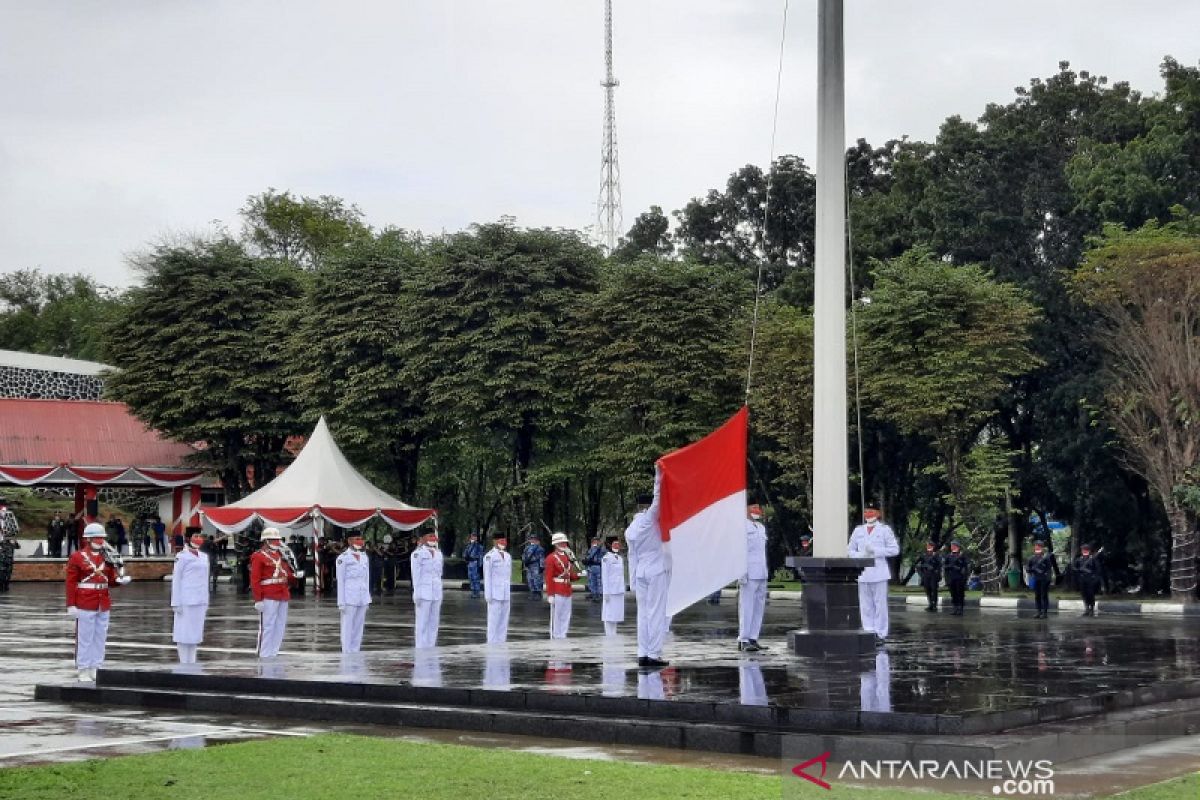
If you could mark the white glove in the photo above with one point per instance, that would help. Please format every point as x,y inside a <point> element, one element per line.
<point>124,579</point>
<point>300,575</point>
<point>342,608</point>
<point>869,551</point>
<point>72,612</point>
<point>259,606</point>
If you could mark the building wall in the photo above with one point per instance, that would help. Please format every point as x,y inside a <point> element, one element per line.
<point>37,384</point>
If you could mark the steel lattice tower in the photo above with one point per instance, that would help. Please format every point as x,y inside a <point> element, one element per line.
<point>608,209</point>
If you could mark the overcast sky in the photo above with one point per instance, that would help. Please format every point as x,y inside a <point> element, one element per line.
<point>122,121</point>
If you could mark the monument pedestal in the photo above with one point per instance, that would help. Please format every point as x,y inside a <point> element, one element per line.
<point>834,625</point>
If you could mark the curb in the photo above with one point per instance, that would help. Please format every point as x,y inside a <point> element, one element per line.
<point>1017,603</point>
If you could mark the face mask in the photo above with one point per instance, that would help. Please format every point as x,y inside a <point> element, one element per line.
<point>501,545</point>
<point>357,545</point>
<point>274,545</point>
<point>616,549</point>
<point>196,542</point>
<point>432,545</point>
<point>97,545</point>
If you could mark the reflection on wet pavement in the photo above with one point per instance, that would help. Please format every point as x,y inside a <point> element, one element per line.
<point>989,660</point>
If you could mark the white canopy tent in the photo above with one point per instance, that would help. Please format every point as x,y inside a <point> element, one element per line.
<point>319,485</point>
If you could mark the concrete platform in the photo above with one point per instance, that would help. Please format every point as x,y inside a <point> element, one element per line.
<point>987,682</point>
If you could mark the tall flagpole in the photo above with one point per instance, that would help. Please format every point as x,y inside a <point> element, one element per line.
<point>831,493</point>
<point>833,626</point>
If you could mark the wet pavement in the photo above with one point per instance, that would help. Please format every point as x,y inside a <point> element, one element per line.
<point>934,663</point>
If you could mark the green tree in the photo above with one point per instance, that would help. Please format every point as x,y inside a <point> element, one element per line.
<point>55,315</point>
<point>199,356</point>
<point>489,309</point>
<point>301,231</point>
<point>348,348</point>
<point>940,343</point>
<point>1146,286</point>
<point>649,235</point>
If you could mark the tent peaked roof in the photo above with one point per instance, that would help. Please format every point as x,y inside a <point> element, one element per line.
<point>320,482</point>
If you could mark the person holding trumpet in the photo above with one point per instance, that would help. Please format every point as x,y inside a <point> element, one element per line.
<point>561,570</point>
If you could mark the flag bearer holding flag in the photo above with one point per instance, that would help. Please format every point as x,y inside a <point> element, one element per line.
<point>650,574</point>
<point>353,570</point>
<point>752,588</point>
<point>874,539</point>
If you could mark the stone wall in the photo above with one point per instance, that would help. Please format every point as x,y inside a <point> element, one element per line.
<point>37,384</point>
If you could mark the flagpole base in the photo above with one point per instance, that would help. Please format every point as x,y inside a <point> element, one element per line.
<point>831,610</point>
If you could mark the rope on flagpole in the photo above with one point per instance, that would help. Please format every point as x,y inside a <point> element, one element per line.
<point>862,475</point>
<point>766,204</point>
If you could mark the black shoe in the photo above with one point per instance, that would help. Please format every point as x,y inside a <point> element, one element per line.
<point>643,661</point>
<point>748,647</point>
<point>880,641</point>
<point>757,646</point>
<point>655,663</point>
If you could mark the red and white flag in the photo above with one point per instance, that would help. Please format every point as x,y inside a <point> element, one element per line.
<point>702,512</point>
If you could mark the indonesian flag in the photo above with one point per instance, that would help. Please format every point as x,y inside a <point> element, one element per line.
<point>702,512</point>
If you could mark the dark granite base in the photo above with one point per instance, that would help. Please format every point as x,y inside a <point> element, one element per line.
<point>832,644</point>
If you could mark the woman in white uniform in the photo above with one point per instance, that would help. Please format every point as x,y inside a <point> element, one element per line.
<point>612,586</point>
<point>354,592</point>
<point>189,597</point>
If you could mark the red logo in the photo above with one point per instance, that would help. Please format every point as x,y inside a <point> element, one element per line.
<point>823,760</point>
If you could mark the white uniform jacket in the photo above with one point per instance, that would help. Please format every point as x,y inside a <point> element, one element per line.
<point>880,538</point>
<point>648,554</point>
<point>612,574</point>
<point>756,551</point>
<point>497,575</point>
<point>426,573</point>
<point>189,579</point>
<point>353,579</point>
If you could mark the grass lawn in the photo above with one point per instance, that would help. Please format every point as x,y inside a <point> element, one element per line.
<point>356,767</point>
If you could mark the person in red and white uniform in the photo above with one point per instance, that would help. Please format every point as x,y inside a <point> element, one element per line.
<point>353,591</point>
<point>189,597</point>
<point>89,577</point>
<point>560,571</point>
<point>271,577</point>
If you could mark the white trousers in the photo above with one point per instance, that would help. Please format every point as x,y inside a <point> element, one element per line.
<point>497,621</point>
<point>752,601</point>
<point>187,652</point>
<point>560,615</point>
<point>651,594</point>
<point>610,629</point>
<point>429,614</point>
<point>353,619</point>
<point>872,605</point>
<point>272,622</point>
<point>188,626</point>
<point>91,633</point>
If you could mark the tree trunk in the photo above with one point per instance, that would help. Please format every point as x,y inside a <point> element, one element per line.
<point>1183,555</point>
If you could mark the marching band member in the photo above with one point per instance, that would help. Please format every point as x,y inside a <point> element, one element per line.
<point>353,569</point>
<point>497,586</point>
<point>189,597</point>
<point>426,561</point>
<point>612,583</point>
<point>90,573</point>
<point>271,576</point>
<point>560,571</point>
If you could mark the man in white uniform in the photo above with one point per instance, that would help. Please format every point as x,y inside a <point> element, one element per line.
<point>189,597</point>
<point>612,588</point>
<point>426,561</point>
<point>650,574</point>
<point>873,539</point>
<point>353,568</point>
<point>497,588</point>
<point>752,594</point>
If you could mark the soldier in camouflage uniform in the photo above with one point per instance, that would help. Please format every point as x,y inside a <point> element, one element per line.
<point>9,530</point>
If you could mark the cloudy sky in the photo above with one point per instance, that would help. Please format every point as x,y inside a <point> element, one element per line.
<point>124,121</point>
